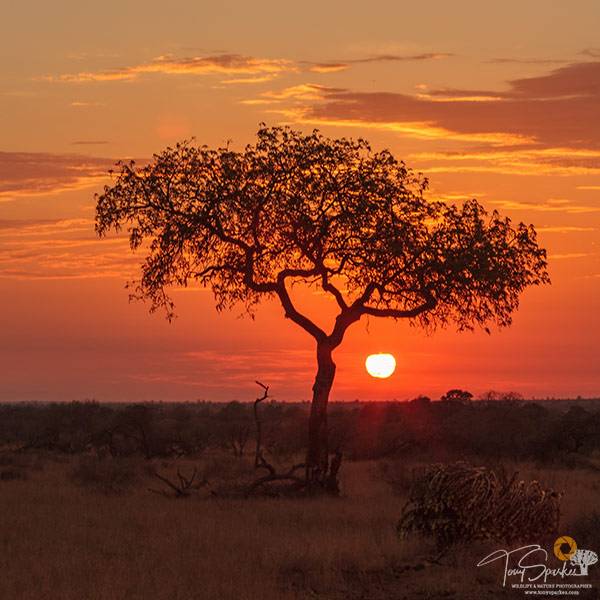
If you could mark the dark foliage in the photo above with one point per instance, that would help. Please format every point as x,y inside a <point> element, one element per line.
<point>459,503</point>
<point>424,429</point>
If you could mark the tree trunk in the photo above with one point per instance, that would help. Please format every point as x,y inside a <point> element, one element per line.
<point>318,473</point>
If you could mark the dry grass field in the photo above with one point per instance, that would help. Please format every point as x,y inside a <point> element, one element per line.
<point>64,538</point>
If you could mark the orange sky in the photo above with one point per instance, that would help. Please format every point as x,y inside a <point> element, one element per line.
<point>498,101</point>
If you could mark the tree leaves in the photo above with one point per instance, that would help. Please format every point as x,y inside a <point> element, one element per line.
<point>327,212</point>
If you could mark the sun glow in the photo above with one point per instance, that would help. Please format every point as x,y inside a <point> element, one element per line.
<point>381,366</point>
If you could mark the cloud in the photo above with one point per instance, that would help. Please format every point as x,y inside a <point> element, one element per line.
<point>560,109</point>
<point>89,142</point>
<point>255,70</point>
<point>424,130</point>
<point>80,104</point>
<point>304,91</point>
<point>209,368</point>
<point>551,205</point>
<point>591,52</point>
<point>519,160</point>
<point>564,229</point>
<point>41,252</point>
<point>341,65</point>
<point>568,255</point>
<point>576,80</point>
<point>219,64</point>
<point>36,227</point>
<point>38,173</point>
<point>257,79</point>
<point>325,67</point>
<point>527,61</point>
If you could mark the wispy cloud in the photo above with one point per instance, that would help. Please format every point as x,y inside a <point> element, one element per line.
<point>568,255</point>
<point>564,229</point>
<point>304,91</point>
<point>341,65</point>
<point>212,369</point>
<point>424,130</point>
<point>219,64</point>
<point>249,69</point>
<point>249,80</point>
<point>550,205</point>
<point>89,142</point>
<point>43,227</point>
<point>519,160</point>
<point>68,253</point>
<point>591,52</point>
<point>37,173</point>
<point>81,104</point>
<point>558,109</point>
<point>527,61</point>
<point>327,67</point>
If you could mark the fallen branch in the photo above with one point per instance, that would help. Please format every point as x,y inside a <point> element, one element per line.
<point>178,490</point>
<point>273,475</point>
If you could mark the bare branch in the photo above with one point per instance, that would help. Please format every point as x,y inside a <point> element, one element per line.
<point>258,423</point>
<point>183,489</point>
<point>329,287</point>
<point>292,313</point>
<point>429,304</point>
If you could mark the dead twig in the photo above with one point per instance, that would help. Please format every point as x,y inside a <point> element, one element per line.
<point>259,460</point>
<point>257,421</point>
<point>182,489</point>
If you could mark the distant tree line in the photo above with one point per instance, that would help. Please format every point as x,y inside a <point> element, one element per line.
<point>500,427</point>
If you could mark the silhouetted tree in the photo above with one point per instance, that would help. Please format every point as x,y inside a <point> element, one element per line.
<point>456,395</point>
<point>331,213</point>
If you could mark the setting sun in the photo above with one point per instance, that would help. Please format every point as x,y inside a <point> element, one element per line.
<point>381,366</point>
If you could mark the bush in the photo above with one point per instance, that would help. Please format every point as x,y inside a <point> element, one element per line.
<point>108,476</point>
<point>458,503</point>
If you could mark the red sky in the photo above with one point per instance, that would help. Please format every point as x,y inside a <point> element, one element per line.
<point>498,102</point>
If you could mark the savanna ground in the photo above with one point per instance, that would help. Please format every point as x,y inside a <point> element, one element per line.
<point>84,525</point>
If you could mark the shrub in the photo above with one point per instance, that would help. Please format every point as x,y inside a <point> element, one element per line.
<point>458,503</point>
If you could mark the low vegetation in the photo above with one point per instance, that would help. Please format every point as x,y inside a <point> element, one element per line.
<point>460,503</point>
<point>497,428</point>
<point>151,501</point>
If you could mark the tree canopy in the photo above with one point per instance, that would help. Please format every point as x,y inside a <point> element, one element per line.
<point>331,212</point>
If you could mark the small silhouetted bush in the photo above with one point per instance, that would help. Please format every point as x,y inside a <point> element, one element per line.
<point>458,503</point>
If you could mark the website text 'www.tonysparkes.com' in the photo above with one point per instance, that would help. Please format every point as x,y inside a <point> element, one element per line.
<point>551,592</point>
<point>562,590</point>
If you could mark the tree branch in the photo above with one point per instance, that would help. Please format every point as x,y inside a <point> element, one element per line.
<point>292,313</point>
<point>342,322</point>
<point>394,313</point>
<point>329,287</point>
